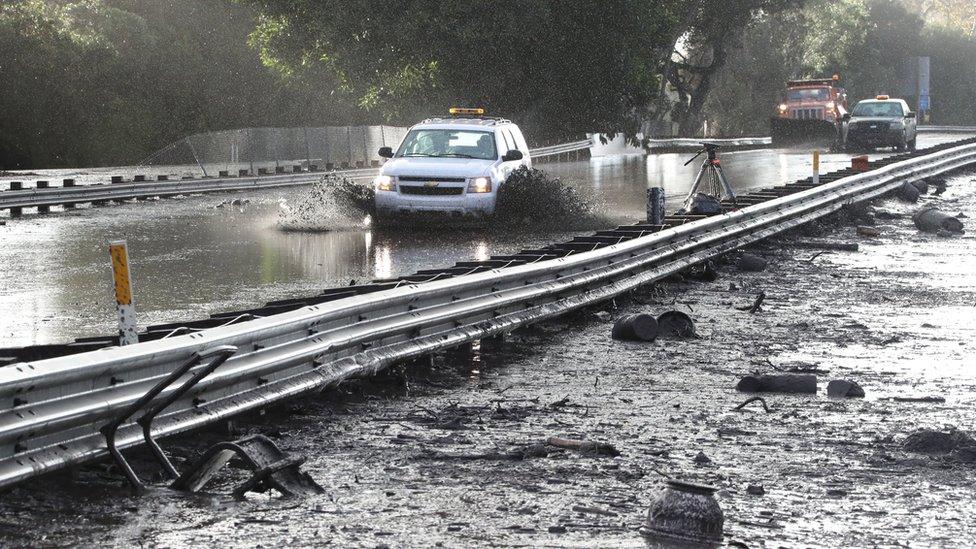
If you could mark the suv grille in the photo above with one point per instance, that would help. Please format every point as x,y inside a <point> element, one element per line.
<point>807,114</point>
<point>431,191</point>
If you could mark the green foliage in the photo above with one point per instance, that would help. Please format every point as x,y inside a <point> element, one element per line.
<point>560,67</point>
<point>109,81</point>
<point>867,42</point>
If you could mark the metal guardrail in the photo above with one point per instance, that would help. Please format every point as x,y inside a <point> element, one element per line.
<point>57,196</point>
<point>561,148</point>
<point>51,410</point>
<point>947,129</point>
<point>696,142</point>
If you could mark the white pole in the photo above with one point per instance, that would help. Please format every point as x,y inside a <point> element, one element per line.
<point>123,293</point>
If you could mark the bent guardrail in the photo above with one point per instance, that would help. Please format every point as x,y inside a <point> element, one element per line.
<point>51,410</point>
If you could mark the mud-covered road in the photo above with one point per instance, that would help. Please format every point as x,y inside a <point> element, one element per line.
<point>427,456</point>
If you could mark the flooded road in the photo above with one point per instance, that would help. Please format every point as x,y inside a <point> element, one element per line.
<point>191,258</point>
<point>423,455</point>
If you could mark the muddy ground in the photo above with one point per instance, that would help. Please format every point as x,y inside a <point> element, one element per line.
<point>419,458</point>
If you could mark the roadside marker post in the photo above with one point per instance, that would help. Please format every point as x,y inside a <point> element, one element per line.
<point>816,167</point>
<point>123,293</point>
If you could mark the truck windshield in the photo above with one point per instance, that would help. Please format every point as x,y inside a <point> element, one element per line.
<point>809,94</point>
<point>449,144</point>
<point>876,109</point>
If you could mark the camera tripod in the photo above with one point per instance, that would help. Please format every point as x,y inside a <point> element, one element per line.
<point>712,169</point>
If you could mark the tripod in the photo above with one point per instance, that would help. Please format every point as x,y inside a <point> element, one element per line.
<point>712,169</point>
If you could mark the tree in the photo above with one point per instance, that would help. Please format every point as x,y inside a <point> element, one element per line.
<point>561,67</point>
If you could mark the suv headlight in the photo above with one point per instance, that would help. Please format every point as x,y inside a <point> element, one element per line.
<point>384,183</point>
<point>479,185</point>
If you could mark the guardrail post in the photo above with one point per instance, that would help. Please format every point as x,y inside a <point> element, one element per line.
<point>67,182</point>
<point>223,173</point>
<point>816,167</point>
<point>43,184</point>
<point>139,178</point>
<point>123,293</point>
<point>162,178</point>
<point>243,173</point>
<point>116,179</point>
<point>16,185</point>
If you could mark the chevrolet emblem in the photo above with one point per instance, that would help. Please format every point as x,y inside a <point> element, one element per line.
<point>431,184</point>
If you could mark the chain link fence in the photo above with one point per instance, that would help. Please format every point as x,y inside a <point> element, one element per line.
<point>260,150</point>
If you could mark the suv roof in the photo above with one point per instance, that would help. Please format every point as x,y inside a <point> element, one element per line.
<point>481,121</point>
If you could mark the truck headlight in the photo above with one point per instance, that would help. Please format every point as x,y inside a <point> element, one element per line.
<point>479,185</point>
<point>384,183</point>
<point>783,108</point>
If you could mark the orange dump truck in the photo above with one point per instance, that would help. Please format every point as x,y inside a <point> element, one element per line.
<point>811,113</point>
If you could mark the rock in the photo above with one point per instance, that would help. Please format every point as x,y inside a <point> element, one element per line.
<point>756,489</point>
<point>931,220</point>
<point>780,383</point>
<point>557,529</point>
<point>751,263</point>
<point>868,231</point>
<point>965,454</point>
<point>841,388</point>
<point>702,459</point>
<point>602,316</point>
<point>908,192</point>
<point>922,186</point>
<point>930,441</point>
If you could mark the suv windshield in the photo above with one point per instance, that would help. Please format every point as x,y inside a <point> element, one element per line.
<point>810,94</point>
<point>878,110</point>
<point>449,144</point>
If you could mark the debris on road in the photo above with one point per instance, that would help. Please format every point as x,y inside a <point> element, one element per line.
<point>863,230</point>
<point>908,192</point>
<point>751,263</point>
<point>675,325</point>
<point>778,383</point>
<point>686,513</point>
<point>931,220</point>
<point>636,327</point>
<point>584,446</point>
<point>825,245</point>
<point>930,441</point>
<point>841,388</point>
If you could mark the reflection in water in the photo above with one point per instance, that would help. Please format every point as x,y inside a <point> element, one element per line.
<point>481,251</point>
<point>383,261</point>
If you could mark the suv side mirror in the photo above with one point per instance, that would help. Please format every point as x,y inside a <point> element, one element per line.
<point>846,117</point>
<point>911,114</point>
<point>513,155</point>
<point>386,152</point>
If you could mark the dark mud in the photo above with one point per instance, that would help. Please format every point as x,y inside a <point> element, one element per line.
<point>533,199</point>
<point>441,454</point>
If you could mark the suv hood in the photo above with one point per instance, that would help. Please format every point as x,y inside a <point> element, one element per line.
<point>874,119</point>
<point>437,167</point>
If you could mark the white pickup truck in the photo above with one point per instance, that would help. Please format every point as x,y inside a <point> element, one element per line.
<point>449,167</point>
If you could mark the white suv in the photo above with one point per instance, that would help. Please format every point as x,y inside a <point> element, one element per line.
<point>449,166</point>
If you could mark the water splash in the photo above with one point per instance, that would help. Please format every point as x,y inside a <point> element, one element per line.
<point>532,198</point>
<point>333,203</point>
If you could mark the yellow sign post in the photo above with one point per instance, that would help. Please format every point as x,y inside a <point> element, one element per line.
<point>816,167</point>
<point>123,293</point>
